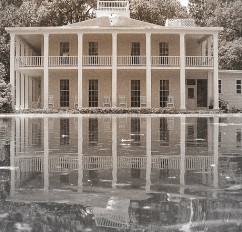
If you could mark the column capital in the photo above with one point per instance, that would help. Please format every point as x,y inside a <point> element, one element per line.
<point>46,34</point>
<point>148,34</point>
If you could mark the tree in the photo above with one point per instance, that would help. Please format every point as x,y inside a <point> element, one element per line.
<point>63,12</point>
<point>5,93</point>
<point>226,14</point>
<point>156,11</point>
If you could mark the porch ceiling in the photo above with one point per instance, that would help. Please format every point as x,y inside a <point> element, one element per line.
<point>33,40</point>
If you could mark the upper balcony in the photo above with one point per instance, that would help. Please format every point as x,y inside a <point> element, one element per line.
<point>106,61</point>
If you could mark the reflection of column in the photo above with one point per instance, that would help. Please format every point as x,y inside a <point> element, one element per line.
<point>148,153</point>
<point>22,134</point>
<point>80,155</point>
<point>183,153</point>
<point>215,152</point>
<point>46,154</point>
<point>114,151</point>
<point>17,135</point>
<point>12,157</point>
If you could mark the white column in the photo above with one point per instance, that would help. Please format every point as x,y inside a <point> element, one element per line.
<point>46,70</point>
<point>215,72</point>
<point>148,154</point>
<point>183,153</point>
<point>114,70</point>
<point>148,70</point>
<point>210,88</point>
<point>80,73</point>
<point>215,153</point>
<point>26,92</point>
<point>22,79</point>
<point>46,154</point>
<point>80,155</point>
<point>17,103</point>
<point>12,73</point>
<point>114,151</point>
<point>204,45</point>
<point>182,72</point>
<point>209,42</point>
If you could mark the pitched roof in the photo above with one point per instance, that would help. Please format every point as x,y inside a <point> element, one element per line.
<point>113,20</point>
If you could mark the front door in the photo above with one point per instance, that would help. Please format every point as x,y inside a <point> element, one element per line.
<point>196,93</point>
<point>191,94</point>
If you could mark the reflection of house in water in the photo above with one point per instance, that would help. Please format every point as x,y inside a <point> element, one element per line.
<point>59,152</point>
<point>60,158</point>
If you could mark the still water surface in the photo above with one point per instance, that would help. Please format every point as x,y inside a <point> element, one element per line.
<point>120,173</point>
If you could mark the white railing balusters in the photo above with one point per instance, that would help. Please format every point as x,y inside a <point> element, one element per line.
<point>29,61</point>
<point>199,61</point>
<point>55,61</point>
<point>165,60</point>
<point>113,5</point>
<point>97,60</point>
<point>131,60</point>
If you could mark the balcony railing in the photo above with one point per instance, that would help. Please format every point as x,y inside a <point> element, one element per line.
<point>165,61</point>
<point>55,61</point>
<point>199,61</point>
<point>131,60</point>
<point>97,60</point>
<point>29,61</point>
<point>72,61</point>
<point>113,5</point>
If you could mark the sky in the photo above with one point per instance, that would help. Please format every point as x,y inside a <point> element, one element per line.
<point>184,2</point>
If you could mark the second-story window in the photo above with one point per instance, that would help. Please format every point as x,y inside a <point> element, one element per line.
<point>64,52</point>
<point>238,86</point>
<point>135,52</point>
<point>64,93</point>
<point>219,86</point>
<point>163,52</point>
<point>93,53</point>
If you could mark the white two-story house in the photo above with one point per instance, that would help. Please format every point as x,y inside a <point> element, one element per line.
<point>115,61</point>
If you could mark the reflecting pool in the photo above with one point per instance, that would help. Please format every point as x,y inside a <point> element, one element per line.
<point>120,173</point>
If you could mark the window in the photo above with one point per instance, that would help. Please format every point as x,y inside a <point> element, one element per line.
<point>164,92</point>
<point>93,93</point>
<point>238,86</point>
<point>219,86</point>
<point>64,48</point>
<point>135,93</point>
<point>64,93</point>
<point>64,131</point>
<point>135,52</point>
<point>191,82</point>
<point>164,52</point>
<point>93,131</point>
<point>93,52</point>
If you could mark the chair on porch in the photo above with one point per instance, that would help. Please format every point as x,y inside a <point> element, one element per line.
<point>36,104</point>
<point>142,101</point>
<point>106,101</point>
<point>51,101</point>
<point>170,101</point>
<point>76,102</point>
<point>122,101</point>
